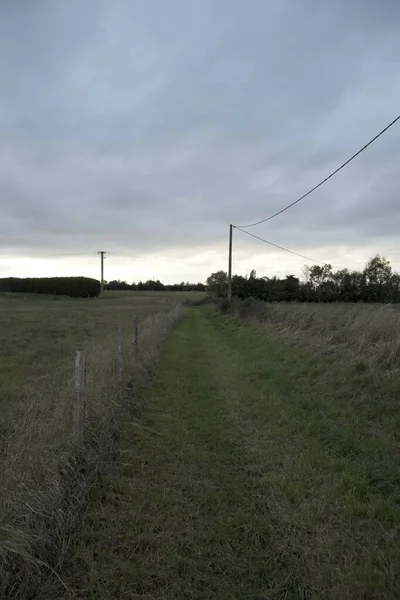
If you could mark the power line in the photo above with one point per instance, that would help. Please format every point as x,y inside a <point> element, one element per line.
<point>71,254</point>
<point>326,178</point>
<point>282,248</point>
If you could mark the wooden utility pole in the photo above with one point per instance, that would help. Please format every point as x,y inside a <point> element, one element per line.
<point>102,257</point>
<point>230,264</point>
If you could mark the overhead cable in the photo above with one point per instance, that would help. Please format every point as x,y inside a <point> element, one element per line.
<point>282,248</point>
<point>324,180</point>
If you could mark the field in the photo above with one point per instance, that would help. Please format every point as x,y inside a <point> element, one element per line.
<point>262,463</point>
<point>39,336</point>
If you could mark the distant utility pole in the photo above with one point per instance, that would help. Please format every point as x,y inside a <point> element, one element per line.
<point>102,257</point>
<point>230,264</point>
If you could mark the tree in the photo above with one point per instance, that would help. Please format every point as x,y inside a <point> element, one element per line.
<point>217,284</point>
<point>376,283</point>
<point>377,275</point>
<point>291,286</point>
<point>318,276</point>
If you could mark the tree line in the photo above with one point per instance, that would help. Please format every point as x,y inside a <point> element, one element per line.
<point>77,287</point>
<point>155,286</point>
<point>377,282</point>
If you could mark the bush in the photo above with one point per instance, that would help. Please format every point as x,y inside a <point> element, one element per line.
<point>196,301</point>
<point>224,305</point>
<point>77,287</point>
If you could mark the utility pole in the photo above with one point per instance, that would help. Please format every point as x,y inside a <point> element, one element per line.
<point>230,264</point>
<point>102,257</point>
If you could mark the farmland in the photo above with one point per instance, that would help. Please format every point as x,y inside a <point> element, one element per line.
<point>39,334</point>
<point>39,338</point>
<point>263,462</point>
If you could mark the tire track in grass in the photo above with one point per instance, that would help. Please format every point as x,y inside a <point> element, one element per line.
<point>186,515</point>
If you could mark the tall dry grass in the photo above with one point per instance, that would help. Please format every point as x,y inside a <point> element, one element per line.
<point>45,477</point>
<point>367,331</point>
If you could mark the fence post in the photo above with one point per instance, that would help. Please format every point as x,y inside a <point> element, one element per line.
<point>151,326</point>
<point>137,334</point>
<point>78,413</point>
<point>119,358</point>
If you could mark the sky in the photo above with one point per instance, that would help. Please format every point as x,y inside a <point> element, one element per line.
<point>145,128</point>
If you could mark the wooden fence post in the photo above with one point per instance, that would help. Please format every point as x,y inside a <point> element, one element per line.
<point>119,358</point>
<point>137,334</point>
<point>78,413</point>
<point>151,326</point>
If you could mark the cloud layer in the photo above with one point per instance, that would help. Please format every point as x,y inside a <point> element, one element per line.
<point>146,128</point>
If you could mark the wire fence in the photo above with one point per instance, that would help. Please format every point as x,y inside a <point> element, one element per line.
<point>135,350</point>
<point>60,441</point>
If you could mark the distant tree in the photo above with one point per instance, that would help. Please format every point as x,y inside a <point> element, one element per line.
<point>376,283</point>
<point>306,273</point>
<point>291,286</point>
<point>116,284</point>
<point>79,287</point>
<point>217,284</point>
<point>377,277</point>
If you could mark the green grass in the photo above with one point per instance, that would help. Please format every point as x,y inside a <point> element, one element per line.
<point>257,467</point>
<point>39,334</point>
<point>45,473</point>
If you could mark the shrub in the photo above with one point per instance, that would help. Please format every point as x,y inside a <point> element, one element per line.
<point>224,305</point>
<point>77,287</point>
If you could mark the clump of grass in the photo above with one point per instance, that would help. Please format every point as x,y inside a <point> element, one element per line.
<point>46,477</point>
<point>197,301</point>
<point>368,331</point>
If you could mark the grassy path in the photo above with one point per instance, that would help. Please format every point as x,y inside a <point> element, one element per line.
<point>222,490</point>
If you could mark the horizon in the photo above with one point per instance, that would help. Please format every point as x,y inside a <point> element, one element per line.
<point>131,281</point>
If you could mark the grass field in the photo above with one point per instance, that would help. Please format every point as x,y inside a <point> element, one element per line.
<point>44,477</point>
<point>39,334</point>
<point>263,464</point>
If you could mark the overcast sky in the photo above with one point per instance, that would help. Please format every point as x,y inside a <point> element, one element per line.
<point>145,128</point>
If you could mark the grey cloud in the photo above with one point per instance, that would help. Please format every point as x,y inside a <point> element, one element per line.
<point>149,127</point>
